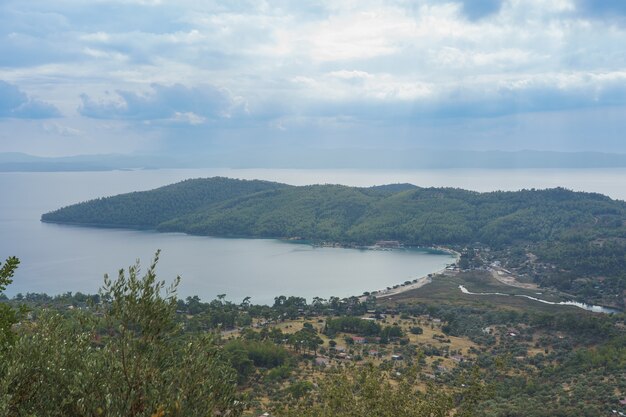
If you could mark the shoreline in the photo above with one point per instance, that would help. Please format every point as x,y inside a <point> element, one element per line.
<point>420,282</point>
<point>380,293</point>
<point>414,284</point>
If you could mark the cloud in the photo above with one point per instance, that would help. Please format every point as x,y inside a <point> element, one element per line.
<point>378,98</point>
<point>61,130</point>
<point>17,104</point>
<point>478,9</point>
<point>176,104</point>
<point>248,70</point>
<point>603,8</point>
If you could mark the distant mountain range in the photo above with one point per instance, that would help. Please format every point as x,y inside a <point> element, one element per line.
<point>319,158</point>
<point>20,162</point>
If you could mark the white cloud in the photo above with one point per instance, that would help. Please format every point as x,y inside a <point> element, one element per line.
<point>351,75</point>
<point>97,53</point>
<point>273,62</point>
<point>96,37</point>
<point>61,129</point>
<point>189,117</point>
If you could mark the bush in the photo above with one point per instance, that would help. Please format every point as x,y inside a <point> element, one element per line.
<point>416,330</point>
<point>131,359</point>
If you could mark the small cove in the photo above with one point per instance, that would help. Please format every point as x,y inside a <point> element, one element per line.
<point>60,258</point>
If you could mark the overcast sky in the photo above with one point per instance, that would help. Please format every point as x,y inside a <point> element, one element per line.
<point>99,76</point>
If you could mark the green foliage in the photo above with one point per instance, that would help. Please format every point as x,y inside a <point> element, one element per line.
<point>51,371</point>
<point>147,209</point>
<point>8,315</point>
<point>129,359</point>
<point>415,216</point>
<point>262,354</point>
<point>280,373</point>
<point>358,326</point>
<point>611,355</point>
<point>305,339</point>
<point>559,364</point>
<point>368,392</point>
<point>391,332</point>
<point>475,391</point>
<point>416,330</point>
<point>127,352</point>
<point>354,325</point>
<point>300,389</point>
<point>7,271</point>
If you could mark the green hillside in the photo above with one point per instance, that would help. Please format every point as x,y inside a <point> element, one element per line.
<point>148,209</point>
<point>572,240</point>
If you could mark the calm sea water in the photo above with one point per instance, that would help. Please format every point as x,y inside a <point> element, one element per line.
<point>57,259</point>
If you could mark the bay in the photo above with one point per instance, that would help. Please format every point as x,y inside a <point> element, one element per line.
<point>58,259</point>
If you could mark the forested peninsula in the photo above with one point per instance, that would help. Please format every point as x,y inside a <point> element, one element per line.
<point>573,241</point>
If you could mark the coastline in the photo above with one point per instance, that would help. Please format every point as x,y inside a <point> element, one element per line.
<point>380,293</point>
<point>420,282</point>
<point>414,284</point>
<point>457,255</point>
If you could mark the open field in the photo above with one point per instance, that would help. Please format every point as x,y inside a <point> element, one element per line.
<point>445,289</point>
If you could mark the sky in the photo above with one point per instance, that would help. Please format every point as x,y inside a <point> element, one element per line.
<point>191,77</point>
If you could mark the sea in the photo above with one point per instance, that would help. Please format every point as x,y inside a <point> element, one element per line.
<point>57,259</point>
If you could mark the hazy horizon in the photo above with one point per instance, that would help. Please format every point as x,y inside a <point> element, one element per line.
<point>316,158</point>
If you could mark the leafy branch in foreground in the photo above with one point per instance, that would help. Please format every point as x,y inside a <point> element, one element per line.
<point>130,358</point>
<point>7,271</point>
<point>8,316</point>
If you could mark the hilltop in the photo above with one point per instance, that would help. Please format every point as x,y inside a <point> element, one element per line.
<point>574,241</point>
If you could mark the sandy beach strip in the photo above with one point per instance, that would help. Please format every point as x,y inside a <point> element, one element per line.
<point>420,282</point>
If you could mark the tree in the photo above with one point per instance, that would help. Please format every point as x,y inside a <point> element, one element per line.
<point>308,338</point>
<point>368,392</point>
<point>194,305</point>
<point>131,359</point>
<point>475,392</point>
<point>8,316</point>
<point>245,304</point>
<point>416,330</point>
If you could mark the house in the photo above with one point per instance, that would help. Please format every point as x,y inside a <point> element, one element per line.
<point>396,357</point>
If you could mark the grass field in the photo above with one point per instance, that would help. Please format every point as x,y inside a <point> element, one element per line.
<point>445,289</point>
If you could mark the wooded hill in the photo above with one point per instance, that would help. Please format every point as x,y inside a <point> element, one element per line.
<point>577,235</point>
